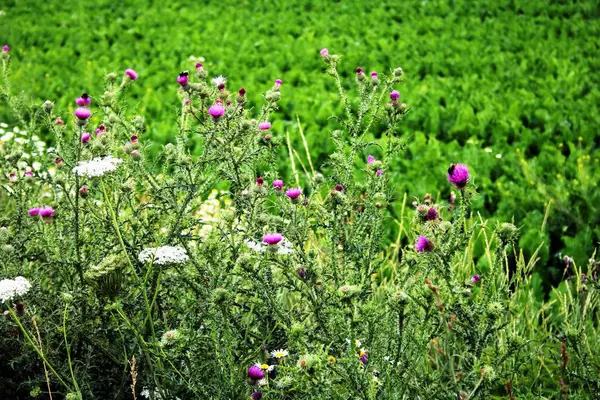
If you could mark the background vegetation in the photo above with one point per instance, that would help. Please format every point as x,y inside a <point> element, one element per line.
<point>507,87</point>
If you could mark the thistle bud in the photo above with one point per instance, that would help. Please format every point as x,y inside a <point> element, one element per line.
<point>48,106</point>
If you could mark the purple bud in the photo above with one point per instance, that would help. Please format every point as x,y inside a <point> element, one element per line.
<point>278,184</point>
<point>264,126</point>
<point>85,137</point>
<point>259,181</point>
<point>379,172</point>
<point>255,373</point>
<point>370,159</point>
<point>47,213</point>
<point>394,95</point>
<point>83,191</point>
<point>339,188</point>
<point>131,74</point>
<point>199,67</point>
<point>59,121</point>
<point>101,129</point>
<point>423,245</point>
<point>324,52</point>
<point>359,71</point>
<point>374,75</point>
<point>364,357</point>
<point>5,48</point>
<point>272,238</point>
<point>458,175</point>
<point>475,278</point>
<point>216,111</point>
<point>256,395</point>
<point>82,113</point>
<point>242,92</point>
<point>278,82</point>
<point>432,214</point>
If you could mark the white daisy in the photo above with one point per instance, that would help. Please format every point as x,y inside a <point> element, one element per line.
<point>97,167</point>
<point>219,80</point>
<point>279,354</point>
<point>164,255</point>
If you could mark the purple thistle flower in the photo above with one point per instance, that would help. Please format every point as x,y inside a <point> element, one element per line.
<point>34,212</point>
<point>255,373</point>
<point>47,214</point>
<point>216,111</point>
<point>379,172</point>
<point>423,245</point>
<point>293,193</point>
<point>5,48</point>
<point>59,121</point>
<point>359,71</point>
<point>242,92</point>
<point>101,129</point>
<point>183,78</point>
<point>83,100</point>
<point>394,95</point>
<point>374,75</point>
<point>264,126</point>
<point>259,181</point>
<point>28,174</point>
<point>432,214</point>
<point>278,184</point>
<point>131,74</point>
<point>85,137</point>
<point>278,82</point>
<point>339,187</point>
<point>256,395</point>
<point>82,113</point>
<point>272,238</point>
<point>475,278</point>
<point>199,67</point>
<point>83,191</point>
<point>370,159</point>
<point>458,175</point>
<point>324,52</point>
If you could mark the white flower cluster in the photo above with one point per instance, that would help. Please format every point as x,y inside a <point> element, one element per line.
<point>10,288</point>
<point>97,167</point>
<point>210,212</point>
<point>30,150</point>
<point>284,247</point>
<point>155,394</point>
<point>219,80</point>
<point>164,255</point>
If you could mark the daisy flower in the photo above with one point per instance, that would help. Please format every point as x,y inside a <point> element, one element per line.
<point>279,354</point>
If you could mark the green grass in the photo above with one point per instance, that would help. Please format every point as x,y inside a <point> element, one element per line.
<point>517,77</point>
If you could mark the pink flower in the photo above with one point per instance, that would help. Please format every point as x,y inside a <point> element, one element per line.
<point>82,113</point>
<point>216,111</point>
<point>379,172</point>
<point>324,52</point>
<point>264,126</point>
<point>370,159</point>
<point>278,82</point>
<point>131,74</point>
<point>394,95</point>
<point>199,67</point>
<point>458,175</point>
<point>278,184</point>
<point>134,139</point>
<point>5,48</point>
<point>101,129</point>
<point>34,212</point>
<point>255,373</point>
<point>475,278</point>
<point>83,191</point>
<point>85,137</point>
<point>28,174</point>
<point>183,78</point>
<point>47,213</point>
<point>272,238</point>
<point>374,75</point>
<point>84,100</point>
<point>360,71</point>
<point>293,193</point>
<point>423,245</point>
<point>59,121</point>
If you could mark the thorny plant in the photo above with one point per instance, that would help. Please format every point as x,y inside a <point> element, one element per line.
<point>134,283</point>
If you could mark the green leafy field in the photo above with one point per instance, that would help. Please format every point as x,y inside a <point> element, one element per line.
<point>508,87</point>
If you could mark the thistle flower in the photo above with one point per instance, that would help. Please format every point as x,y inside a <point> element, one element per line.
<point>199,67</point>
<point>34,212</point>
<point>59,121</point>
<point>259,181</point>
<point>164,255</point>
<point>5,48</point>
<point>423,245</point>
<point>11,288</point>
<point>272,239</point>
<point>339,188</point>
<point>293,193</point>
<point>475,278</point>
<point>83,191</point>
<point>101,129</point>
<point>432,214</point>
<point>216,111</point>
<point>379,172</point>
<point>255,373</point>
<point>82,113</point>
<point>83,100</point>
<point>183,78</point>
<point>264,126</point>
<point>360,71</point>
<point>97,167</point>
<point>28,174</point>
<point>278,82</point>
<point>85,137</point>
<point>256,395</point>
<point>131,74</point>
<point>324,52</point>
<point>394,95</point>
<point>58,161</point>
<point>278,184</point>
<point>279,354</point>
<point>458,175</point>
<point>219,81</point>
<point>370,159</point>
<point>47,214</point>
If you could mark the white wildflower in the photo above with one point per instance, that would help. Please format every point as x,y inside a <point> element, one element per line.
<point>97,167</point>
<point>145,393</point>
<point>498,155</point>
<point>262,382</point>
<point>164,255</point>
<point>10,288</point>
<point>219,80</point>
<point>284,247</point>
<point>279,354</point>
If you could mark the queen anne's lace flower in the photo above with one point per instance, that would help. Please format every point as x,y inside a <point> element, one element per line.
<point>164,255</point>
<point>97,167</point>
<point>10,288</point>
